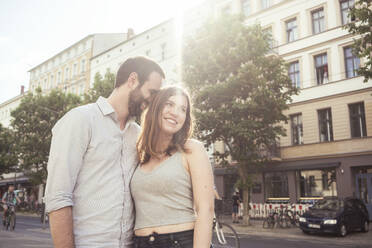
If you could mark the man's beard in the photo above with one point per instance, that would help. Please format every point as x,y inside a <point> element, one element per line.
<point>135,102</point>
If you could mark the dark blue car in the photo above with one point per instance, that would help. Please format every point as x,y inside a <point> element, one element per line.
<point>334,215</point>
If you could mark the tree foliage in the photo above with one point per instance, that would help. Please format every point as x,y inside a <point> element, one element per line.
<point>101,87</point>
<point>239,91</point>
<point>32,123</point>
<point>362,27</point>
<point>8,158</point>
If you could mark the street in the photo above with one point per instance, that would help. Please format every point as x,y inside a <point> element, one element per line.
<point>254,241</point>
<point>29,233</point>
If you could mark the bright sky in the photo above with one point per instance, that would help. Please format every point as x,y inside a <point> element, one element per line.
<point>32,31</point>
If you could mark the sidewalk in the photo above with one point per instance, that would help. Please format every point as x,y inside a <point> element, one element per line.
<point>256,229</point>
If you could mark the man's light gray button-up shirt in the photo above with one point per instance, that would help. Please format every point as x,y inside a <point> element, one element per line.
<point>90,165</point>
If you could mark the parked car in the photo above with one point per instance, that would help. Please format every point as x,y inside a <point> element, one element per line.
<point>334,215</point>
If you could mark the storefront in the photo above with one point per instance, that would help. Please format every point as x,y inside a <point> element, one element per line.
<point>309,180</point>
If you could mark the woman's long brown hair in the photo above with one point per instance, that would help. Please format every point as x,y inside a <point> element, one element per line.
<point>146,145</point>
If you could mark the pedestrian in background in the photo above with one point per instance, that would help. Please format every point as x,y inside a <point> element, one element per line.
<point>235,206</point>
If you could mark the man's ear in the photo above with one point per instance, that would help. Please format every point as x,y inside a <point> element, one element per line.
<point>133,80</point>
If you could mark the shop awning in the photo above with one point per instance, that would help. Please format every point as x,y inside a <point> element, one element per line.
<point>225,171</point>
<point>22,179</point>
<point>300,165</point>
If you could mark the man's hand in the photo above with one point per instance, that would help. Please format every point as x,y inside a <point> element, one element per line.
<point>61,228</point>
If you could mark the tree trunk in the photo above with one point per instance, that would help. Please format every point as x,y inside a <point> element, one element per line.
<point>243,174</point>
<point>246,219</point>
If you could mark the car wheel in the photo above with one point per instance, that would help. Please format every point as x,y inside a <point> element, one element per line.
<point>365,227</point>
<point>306,232</point>
<point>342,231</point>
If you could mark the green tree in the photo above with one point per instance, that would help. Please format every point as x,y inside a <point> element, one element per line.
<point>361,27</point>
<point>8,158</point>
<point>32,123</point>
<point>101,87</point>
<point>239,93</point>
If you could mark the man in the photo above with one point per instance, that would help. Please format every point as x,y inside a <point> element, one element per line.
<point>9,198</point>
<point>92,158</point>
<point>236,202</point>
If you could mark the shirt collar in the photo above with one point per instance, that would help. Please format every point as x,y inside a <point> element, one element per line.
<point>105,106</point>
<point>107,109</point>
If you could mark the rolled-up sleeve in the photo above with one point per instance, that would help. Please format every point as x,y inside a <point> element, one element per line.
<point>70,139</point>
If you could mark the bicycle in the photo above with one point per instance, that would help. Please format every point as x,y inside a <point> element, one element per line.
<point>224,235</point>
<point>293,216</point>
<point>272,220</point>
<point>10,217</point>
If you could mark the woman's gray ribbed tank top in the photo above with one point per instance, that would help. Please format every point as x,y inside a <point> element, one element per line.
<point>164,195</point>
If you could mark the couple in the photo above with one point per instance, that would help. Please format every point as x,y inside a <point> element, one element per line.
<point>113,184</point>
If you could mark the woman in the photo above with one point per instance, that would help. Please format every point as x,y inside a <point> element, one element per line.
<point>174,175</point>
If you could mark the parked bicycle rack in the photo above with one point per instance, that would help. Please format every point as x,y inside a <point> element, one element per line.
<point>262,210</point>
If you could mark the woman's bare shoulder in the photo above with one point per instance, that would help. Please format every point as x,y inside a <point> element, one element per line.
<point>194,145</point>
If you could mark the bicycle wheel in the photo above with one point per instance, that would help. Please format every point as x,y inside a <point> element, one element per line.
<point>267,223</point>
<point>7,224</point>
<point>12,221</point>
<point>285,221</point>
<point>224,236</point>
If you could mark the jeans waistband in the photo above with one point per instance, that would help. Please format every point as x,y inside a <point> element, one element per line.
<point>164,236</point>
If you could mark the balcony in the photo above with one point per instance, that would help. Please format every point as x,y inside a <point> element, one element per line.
<point>334,148</point>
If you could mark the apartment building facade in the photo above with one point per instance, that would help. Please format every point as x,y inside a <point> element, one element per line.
<point>162,43</point>
<point>328,147</point>
<point>8,106</point>
<point>158,43</point>
<point>69,70</point>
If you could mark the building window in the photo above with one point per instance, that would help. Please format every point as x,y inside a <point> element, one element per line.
<point>352,63</point>
<point>59,77</point>
<point>318,21</point>
<point>66,74</point>
<point>345,6</point>
<point>265,4</point>
<point>291,27</point>
<point>321,68</point>
<point>45,84</point>
<point>82,65</point>
<point>317,183</point>
<point>246,7</point>
<point>296,127</point>
<point>52,81</point>
<point>276,185</point>
<point>325,125</point>
<point>82,89</point>
<point>163,51</point>
<point>357,120</point>
<point>75,69</point>
<point>294,74</point>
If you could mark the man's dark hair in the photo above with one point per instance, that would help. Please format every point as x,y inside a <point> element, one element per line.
<point>141,65</point>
